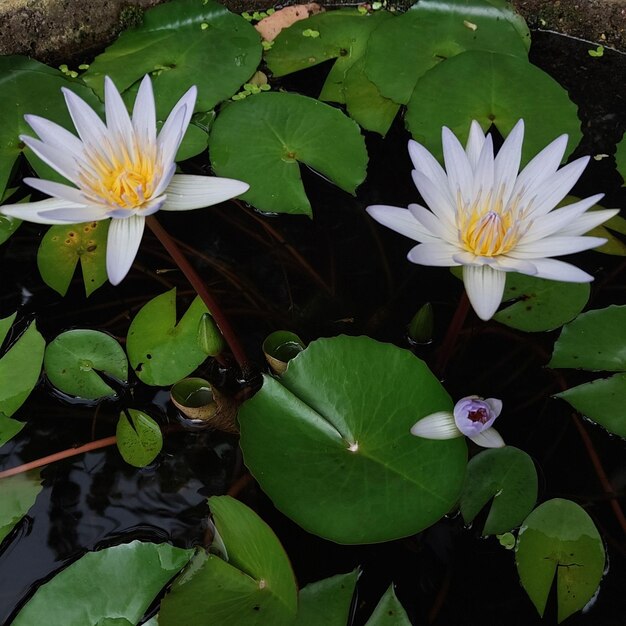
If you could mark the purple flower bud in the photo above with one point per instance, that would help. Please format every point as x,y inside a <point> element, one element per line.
<point>473,415</point>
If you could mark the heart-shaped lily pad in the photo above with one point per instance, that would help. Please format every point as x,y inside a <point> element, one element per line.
<point>139,438</point>
<point>492,89</point>
<point>254,586</point>
<point>182,43</point>
<point>559,539</point>
<point>404,49</point>
<point>261,139</point>
<point>330,442</point>
<point>62,247</point>
<point>73,360</point>
<point>534,304</point>
<point>20,366</point>
<point>508,476</point>
<point>128,578</point>
<point>161,351</point>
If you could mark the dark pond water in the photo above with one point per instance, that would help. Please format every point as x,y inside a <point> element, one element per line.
<point>446,575</point>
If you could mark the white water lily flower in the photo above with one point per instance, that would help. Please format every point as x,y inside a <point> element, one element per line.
<point>490,219</point>
<point>121,170</point>
<point>472,416</point>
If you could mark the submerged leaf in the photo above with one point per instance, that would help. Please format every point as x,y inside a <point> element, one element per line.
<point>74,359</point>
<point>161,351</point>
<point>18,495</point>
<point>255,586</point>
<point>506,475</point>
<point>343,411</point>
<point>559,538</point>
<point>62,247</point>
<point>493,89</point>
<point>139,438</point>
<point>279,130</point>
<point>127,579</point>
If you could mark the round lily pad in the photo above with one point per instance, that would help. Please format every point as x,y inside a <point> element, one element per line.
<point>72,362</point>
<point>261,139</point>
<point>492,89</point>
<point>139,438</point>
<point>330,442</point>
<point>405,48</point>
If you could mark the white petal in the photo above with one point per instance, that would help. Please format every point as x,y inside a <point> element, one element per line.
<point>89,126</point>
<point>489,438</point>
<point>589,220</point>
<point>436,196</point>
<point>118,120</point>
<point>195,192</point>
<point>553,269</point>
<point>439,254</point>
<point>559,219</point>
<point>58,159</point>
<point>507,264</point>
<point>474,144</point>
<point>484,171</point>
<point>438,425</point>
<point>495,405</point>
<point>459,172</point>
<point>144,114</point>
<point>166,179</point>
<point>507,162</point>
<point>555,188</point>
<point>56,136</point>
<point>122,245</point>
<point>484,287</point>
<point>541,166</point>
<point>58,190</point>
<point>440,229</point>
<point>554,246</point>
<point>175,127</point>
<point>427,164</point>
<point>77,215</point>
<point>399,220</point>
<point>36,212</point>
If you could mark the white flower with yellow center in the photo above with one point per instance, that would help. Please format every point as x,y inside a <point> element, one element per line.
<point>121,170</point>
<point>490,219</point>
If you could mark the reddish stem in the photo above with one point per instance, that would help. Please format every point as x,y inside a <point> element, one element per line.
<point>197,283</point>
<point>447,347</point>
<point>59,456</point>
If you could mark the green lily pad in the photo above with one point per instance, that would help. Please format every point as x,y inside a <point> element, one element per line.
<point>161,351</point>
<point>9,428</point>
<point>389,611</point>
<point>19,493</point>
<point>255,586</point>
<point>403,49</point>
<point>27,86</point>
<point>182,43</point>
<point>508,476</point>
<point>20,366</point>
<point>602,401</point>
<point>261,139</point>
<point>62,247</point>
<point>535,304</point>
<point>491,88</point>
<point>128,577</point>
<point>340,417</point>
<point>594,341</point>
<point>559,538</point>
<point>73,360</point>
<point>139,438</point>
<point>327,601</point>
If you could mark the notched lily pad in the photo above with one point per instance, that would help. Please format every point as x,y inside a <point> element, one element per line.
<point>161,351</point>
<point>341,415</point>
<point>255,586</point>
<point>559,539</point>
<point>534,304</point>
<point>493,89</point>
<point>279,130</point>
<point>20,366</point>
<point>61,249</point>
<point>139,438</point>
<point>74,359</point>
<point>506,475</point>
